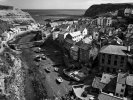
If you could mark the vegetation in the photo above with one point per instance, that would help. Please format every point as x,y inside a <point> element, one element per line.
<point>95,10</point>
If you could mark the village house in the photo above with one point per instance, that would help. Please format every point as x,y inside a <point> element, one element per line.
<point>95,35</point>
<point>106,96</point>
<point>94,22</point>
<point>101,21</point>
<point>113,58</point>
<point>77,35</point>
<point>87,40</point>
<point>130,29</point>
<point>128,11</point>
<point>105,21</point>
<point>121,85</point>
<point>61,37</point>
<point>124,85</point>
<point>68,44</point>
<point>74,52</point>
<point>55,34</point>
<point>84,50</point>
<point>109,21</point>
<point>64,27</point>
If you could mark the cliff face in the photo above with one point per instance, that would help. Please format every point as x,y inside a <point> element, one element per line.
<point>95,10</point>
<point>16,16</point>
<point>10,16</point>
<point>4,26</point>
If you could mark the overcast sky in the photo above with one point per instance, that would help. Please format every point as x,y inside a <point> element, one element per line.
<point>58,4</point>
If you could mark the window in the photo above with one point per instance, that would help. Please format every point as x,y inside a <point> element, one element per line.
<point>122,90</point>
<point>116,57</point>
<point>122,58</point>
<point>108,69</point>
<point>114,70</point>
<point>102,61</point>
<point>121,95</point>
<point>117,94</point>
<point>109,61</point>
<point>109,56</point>
<point>115,63</point>
<point>103,55</point>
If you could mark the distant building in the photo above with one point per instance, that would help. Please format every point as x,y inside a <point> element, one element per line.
<point>104,21</point>
<point>128,11</point>
<point>75,36</point>
<point>113,58</point>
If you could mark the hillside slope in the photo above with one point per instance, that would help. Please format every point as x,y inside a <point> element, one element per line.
<point>95,10</point>
<point>15,15</point>
<point>4,26</point>
<point>9,16</point>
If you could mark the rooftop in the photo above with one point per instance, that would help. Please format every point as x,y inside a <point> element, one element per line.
<point>105,96</point>
<point>98,84</point>
<point>114,49</point>
<point>84,46</point>
<point>79,89</point>
<point>122,78</point>
<point>74,34</point>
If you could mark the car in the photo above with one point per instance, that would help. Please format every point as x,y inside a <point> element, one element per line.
<point>47,69</point>
<point>43,57</point>
<point>56,69</point>
<point>37,50</point>
<point>59,79</point>
<point>37,58</point>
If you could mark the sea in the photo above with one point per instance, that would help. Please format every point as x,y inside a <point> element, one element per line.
<point>40,14</point>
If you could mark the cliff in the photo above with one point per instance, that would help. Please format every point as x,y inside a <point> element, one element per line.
<point>95,10</point>
<point>4,26</point>
<point>9,16</point>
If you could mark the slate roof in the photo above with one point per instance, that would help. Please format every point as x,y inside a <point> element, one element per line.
<point>114,49</point>
<point>122,78</point>
<point>98,84</point>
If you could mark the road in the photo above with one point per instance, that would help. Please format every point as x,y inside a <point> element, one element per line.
<point>47,80</point>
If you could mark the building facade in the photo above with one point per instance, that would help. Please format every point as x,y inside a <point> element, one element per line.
<point>112,58</point>
<point>74,52</point>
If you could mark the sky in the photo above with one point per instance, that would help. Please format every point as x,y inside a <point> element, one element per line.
<point>58,4</point>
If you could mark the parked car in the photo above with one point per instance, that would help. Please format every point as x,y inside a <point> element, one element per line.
<point>56,69</point>
<point>43,57</point>
<point>71,75</point>
<point>59,79</point>
<point>37,50</point>
<point>38,58</point>
<point>48,69</point>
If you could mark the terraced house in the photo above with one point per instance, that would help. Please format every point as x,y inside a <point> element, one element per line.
<point>113,58</point>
